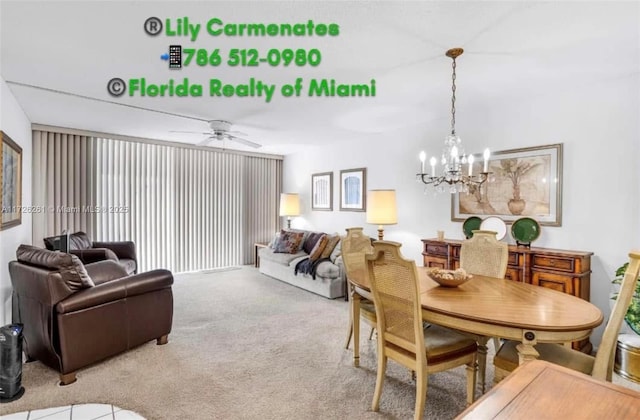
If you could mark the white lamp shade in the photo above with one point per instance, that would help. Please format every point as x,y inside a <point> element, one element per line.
<point>381,207</point>
<point>289,204</point>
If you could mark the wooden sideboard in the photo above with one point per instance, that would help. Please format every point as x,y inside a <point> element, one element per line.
<point>566,271</point>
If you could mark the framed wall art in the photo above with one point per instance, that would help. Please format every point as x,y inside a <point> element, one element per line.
<point>523,182</point>
<point>322,191</point>
<point>11,180</point>
<point>353,187</point>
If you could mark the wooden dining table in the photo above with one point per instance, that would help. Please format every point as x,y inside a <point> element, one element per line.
<point>542,390</point>
<point>493,307</point>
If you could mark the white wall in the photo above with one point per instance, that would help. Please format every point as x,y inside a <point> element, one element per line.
<point>598,125</point>
<point>15,123</point>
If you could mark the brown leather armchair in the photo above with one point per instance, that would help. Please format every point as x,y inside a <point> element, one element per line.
<point>76,315</point>
<point>123,252</point>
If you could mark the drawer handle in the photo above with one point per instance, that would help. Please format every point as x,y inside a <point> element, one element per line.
<point>552,263</point>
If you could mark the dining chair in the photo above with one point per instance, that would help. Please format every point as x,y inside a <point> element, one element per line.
<point>600,366</point>
<point>484,255</point>
<point>401,336</point>
<point>354,247</point>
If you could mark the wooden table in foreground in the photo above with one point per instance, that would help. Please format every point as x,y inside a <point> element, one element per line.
<point>494,307</point>
<point>542,390</point>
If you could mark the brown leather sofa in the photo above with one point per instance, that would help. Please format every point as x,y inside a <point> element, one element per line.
<point>76,315</point>
<point>123,252</point>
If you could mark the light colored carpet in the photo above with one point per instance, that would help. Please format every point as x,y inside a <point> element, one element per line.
<point>246,346</point>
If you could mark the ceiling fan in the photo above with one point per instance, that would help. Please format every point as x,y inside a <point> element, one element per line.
<point>220,130</point>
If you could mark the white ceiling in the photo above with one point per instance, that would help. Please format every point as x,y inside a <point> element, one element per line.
<point>512,49</point>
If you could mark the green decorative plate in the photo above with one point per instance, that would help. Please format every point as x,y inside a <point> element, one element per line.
<point>470,224</point>
<point>525,230</point>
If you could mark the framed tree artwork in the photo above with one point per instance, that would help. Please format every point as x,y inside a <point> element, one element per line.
<point>353,187</point>
<point>11,180</point>
<point>322,191</point>
<point>523,182</point>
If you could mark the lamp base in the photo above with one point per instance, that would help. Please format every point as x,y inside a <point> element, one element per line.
<point>380,233</point>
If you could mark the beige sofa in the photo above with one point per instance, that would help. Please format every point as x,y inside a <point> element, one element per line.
<point>329,281</point>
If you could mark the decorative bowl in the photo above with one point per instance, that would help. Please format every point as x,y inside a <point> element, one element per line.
<point>449,278</point>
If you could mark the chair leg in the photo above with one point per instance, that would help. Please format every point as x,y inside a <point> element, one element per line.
<point>471,382</point>
<point>382,366</point>
<point>67,378</point>
<point>482,361</point>
<point>350,334</point>
<point>162,340</point>
<point>355,318</point>
<point>421,392</point>
<point>371,333</point>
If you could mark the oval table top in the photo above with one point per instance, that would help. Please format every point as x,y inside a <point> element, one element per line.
<point>503,302</point>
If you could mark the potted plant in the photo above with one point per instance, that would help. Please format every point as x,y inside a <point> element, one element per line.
<point>632,317</point>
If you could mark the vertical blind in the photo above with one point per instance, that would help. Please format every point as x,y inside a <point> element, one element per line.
<point>186,209</point>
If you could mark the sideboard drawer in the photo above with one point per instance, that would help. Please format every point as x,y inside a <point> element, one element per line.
<point>435,249</point>
<point>513,258</point>
<point>559,282</point>
<point>553,263</point>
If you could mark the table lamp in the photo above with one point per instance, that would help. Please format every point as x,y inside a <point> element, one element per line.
<point>382,209</point>
<point>289,206</point>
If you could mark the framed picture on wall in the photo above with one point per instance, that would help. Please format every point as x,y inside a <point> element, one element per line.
<point>523,182</point>
<point>11,180</point>
<point>322,191</point>
<point>353,187</point>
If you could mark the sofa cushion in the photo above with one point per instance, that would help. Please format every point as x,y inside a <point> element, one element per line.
<point>128,264</point>
<point>311,241</point>
<point>279,258</point>
<point>80,240</point>
<point>316,252</point>
<point>328,270</point>
<point>289,242</point>
<point>332,241</point>
<point>71,269</point>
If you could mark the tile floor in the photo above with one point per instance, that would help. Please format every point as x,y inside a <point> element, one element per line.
<point>77,412</point>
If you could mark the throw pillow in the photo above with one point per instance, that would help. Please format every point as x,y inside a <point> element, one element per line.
<point>70,267</point>
<point>289,242</point>
<point>311,241</point>
<point>74,274</point>
<point>332,241</point>
<point>274,241</point>
<point>316,252</point>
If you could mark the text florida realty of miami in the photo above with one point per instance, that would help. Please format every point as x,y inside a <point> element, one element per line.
<point>252,88</point>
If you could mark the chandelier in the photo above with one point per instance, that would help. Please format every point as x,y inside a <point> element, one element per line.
<point>453,155</point>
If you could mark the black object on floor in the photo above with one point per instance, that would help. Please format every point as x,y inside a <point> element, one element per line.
<point>11,363</point>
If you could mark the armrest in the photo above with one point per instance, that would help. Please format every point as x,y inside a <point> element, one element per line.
<point>88,256</point>
<point>104,271</point>
<point>116,289</point>
<point>123,249</point>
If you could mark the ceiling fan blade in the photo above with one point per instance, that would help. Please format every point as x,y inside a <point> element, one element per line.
<point>239,133</point>
<point>205,141</point>
<point>245,142</point>
<point>191,132</point>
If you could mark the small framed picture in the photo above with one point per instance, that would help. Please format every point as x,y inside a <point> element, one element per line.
<point>322,191</point>
<point>353,187</point>
<point>11,180</point>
